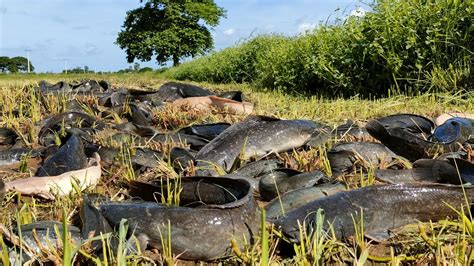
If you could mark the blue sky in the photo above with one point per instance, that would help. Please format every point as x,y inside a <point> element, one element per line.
<point>83,32</point>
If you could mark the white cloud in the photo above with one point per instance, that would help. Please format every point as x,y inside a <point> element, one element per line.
<point>229,32</point>
<point>359,12</point>
<point>304,27</point>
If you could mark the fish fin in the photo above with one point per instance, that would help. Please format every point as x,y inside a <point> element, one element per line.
<point>93,222</point>
<point>466,169</point>
<point>259,118</point>
<point>145,191</point>
<point>318,138</point>
<point>425,175</point>
<point>379,236</point>
<point>137,242</point>
<point>265,155</point>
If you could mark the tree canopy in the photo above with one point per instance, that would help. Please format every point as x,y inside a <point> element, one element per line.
<point>14,64</point>
<point>169,30</point>
<point>79,70</point>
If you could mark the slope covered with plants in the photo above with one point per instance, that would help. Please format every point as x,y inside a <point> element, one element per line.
<point>405,46</point>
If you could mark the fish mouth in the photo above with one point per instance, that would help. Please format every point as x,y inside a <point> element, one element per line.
<point>292,234</point>
<point>289,229</point>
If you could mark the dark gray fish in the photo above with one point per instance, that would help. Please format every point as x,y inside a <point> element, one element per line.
<point>280,181</point>
<point>268,182</point>
<point>85,134</point>
<point>69,157</point>
<point>455,155</point>
<point>70,119</point>
<point>195,142</point>
<point>206,131</point>
<point>12,156</point>
<point>145,131</point>
<point>350,128</point>
<point>424,170</point>
<point>105,85</point>
<point>146,157</point>
<point>60,87</point>
<point>200,226</point>
<point>184,90</point>
<point>321,135</point>
<point>90,86</point>
<point>385,207</point>
<point>7,136</point>
<point>142,131</point>
<point>140,116</point>
<point>233,95</point>
<point>258,168</point>
<point>296,198</point>
<point>107,155</point>
<point>138,157</point>
<point>128,127</point>
<point>74,106</point>
<point>115,98</point>
<point>406,135</point>
<point>169,92</point>
<point>93,221</point>
<point>411,122</point>
<point>343,156</point>
<point>130,139</point>
<point>45,232</point>
<point>181,158</point>
<point>465,168</point>
<point>255,136</point>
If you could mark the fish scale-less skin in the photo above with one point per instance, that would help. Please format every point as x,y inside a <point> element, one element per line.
<point>69,157</point>
<point>259,136</point>
<point>342,156</point>
<point>296,198</point>
<point>201,233</point>
<point>14,155</point>
<point>384,207</point>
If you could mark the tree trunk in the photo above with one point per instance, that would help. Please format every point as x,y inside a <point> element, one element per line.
<point>175,60</point>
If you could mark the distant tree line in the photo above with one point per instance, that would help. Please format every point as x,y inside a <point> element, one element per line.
<point>79,70</point>
<point>14,64</point>
<point>135,69</point>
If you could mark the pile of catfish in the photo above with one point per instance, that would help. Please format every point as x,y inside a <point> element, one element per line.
<point>237,170</point>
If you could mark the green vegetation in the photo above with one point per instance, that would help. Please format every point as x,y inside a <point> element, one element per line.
<point>14,64</point>
<point>405,46</point>
<point>78,70</point>
<point>169,30</point>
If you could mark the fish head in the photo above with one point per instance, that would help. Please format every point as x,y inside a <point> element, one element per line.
<point>290,229</point>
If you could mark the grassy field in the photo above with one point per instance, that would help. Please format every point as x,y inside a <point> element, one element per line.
<point>446,242</point>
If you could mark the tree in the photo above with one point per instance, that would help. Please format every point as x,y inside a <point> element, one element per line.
<point>21,63</point>
<point>14,64</point>
<point>136,67</point>
<point>4,62</point>
<point>169,30</point>
<point>145,69</point>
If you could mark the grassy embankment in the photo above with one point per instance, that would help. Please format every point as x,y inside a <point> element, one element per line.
<point>407,47</point>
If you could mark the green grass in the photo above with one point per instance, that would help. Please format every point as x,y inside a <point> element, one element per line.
<point>446,242</point>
